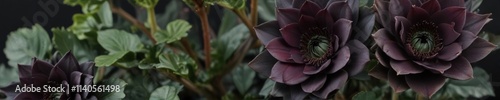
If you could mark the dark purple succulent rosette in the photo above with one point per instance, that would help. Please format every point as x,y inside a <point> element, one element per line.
<point>424,42</point>
<point>65,71</point>
<point>313,46</point>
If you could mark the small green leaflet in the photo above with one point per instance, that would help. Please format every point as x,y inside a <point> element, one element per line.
<point>108,60</point>
<point>175,30</point>
<point>178,63</point>
<point>117,41</point>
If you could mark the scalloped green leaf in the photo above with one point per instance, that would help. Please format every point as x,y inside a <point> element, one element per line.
<point>24,44</point>
<point>175,30</point>
<point>118,41</point>
<point>177,63</point>
<point>82,23</point>
<point>108,60</point>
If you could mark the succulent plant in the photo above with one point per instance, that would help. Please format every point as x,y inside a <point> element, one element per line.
<point>313,46</point>
<point>65,72</point>
<point>424,42</point>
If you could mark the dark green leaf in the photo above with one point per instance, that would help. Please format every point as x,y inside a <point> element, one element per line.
<point>365,95</point>
<point>266,89</point>
<point>229,96</point>
<point>171,13</point>
<point>477,87</point>
<point>152,57</point>
<point>493,38</point>
<point>178,63</point>
<point>119,41</point>
<point>472,5</point>
<point>243,78</point>
<point>9,75</point>
<point>266,9</point>
<point>105,15</point>
<point>65,41</point>
<point>367,3</point>
<point>117,95</point>
<point>225,45</point>
<point>165,93</point>
<point>363,75</point>
<point>363,2</point>
<point>230,20</point>
<point>175,30</point>
<point>24,44</point>
<point>108,60</point>
<point>189,3</point>
<point>140,86</point>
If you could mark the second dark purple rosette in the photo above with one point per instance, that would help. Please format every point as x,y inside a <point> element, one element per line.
<point>313,46</point>
<point>424,42</point>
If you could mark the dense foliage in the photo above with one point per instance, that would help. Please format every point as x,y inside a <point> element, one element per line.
<point>256,49</point>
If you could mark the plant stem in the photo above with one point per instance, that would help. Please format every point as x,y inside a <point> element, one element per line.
<point>200,10</point>
<point>188,84</point>
<point>235,59</point>
<point>152,20</point>
<point>243,17</point>
<point>253,12</point>
<point>131,19</point>
<point>420,97</point>
<point>394,95</point>
<point>339,96</point>
<point>243,48</point>
<point>100,74</point>
<point>190,52</point>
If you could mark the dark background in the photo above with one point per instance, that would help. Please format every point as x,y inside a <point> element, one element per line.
<point>13,11</point>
